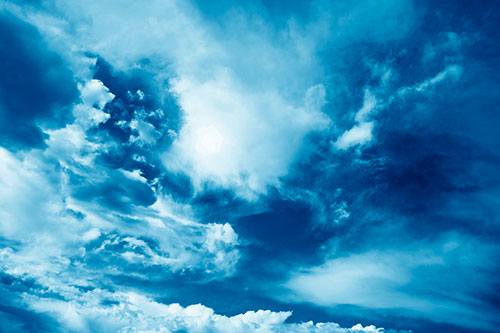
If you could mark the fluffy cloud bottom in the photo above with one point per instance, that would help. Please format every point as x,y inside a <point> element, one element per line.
<point>103,311</point>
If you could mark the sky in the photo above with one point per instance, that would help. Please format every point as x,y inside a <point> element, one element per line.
<point>249,166</point>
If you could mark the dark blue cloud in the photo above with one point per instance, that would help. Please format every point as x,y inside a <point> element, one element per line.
<point>17,319</point>
<point>117,192</point>
<point>14,317</point>
<point>125,85</point>
<point>35,85</point>
<point>137,98</point>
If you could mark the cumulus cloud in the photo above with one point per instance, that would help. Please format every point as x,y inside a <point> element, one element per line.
<point>68,248</point>
<point>95,93</point>
<point>132,312</point>
<point>240,140</point>
<point>259,118</point>
<point>180,243</point>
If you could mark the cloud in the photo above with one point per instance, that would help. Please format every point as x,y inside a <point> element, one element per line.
<point>361,133</point>
<point>249,80</point>
<point>449,43</point>
<point>129,311</point>
<point>358,135</point>
<point>411,280</point>
<point>251,141</point>
<point>62,250</point>
<point>36,87</point>
<point>61,198</point>
<point>71,248</point>
<point>207,156</point>
<point>94,93</point>
<point>451,72</point>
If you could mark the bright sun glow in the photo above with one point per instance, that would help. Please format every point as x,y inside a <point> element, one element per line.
<point>209,140</point>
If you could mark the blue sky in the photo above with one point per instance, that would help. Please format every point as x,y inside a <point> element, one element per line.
<point>249,166</point>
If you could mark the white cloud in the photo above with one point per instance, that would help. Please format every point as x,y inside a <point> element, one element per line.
<point>361,133</point>
<point>30,206</point>
<point>39,212</point>
<point>94,92</point>
<point>147,134</point>
<point>450,72</point>
<point>257,125</point>
<point>133,312</point>
<point>50,252</point>
<point>416,280</point>
<point>241,140</point>
<point>250,96</point>
<point>358,135</point>
<point>69,144</point>
<point>369,103</point>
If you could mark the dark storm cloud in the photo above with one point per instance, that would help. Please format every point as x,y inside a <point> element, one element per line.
<point>35,86</point>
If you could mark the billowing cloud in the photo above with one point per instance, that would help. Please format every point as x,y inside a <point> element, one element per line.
<point>100,310</point>
<point>233,140</point>
<point>254,90</point>
<point>179,165</point>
